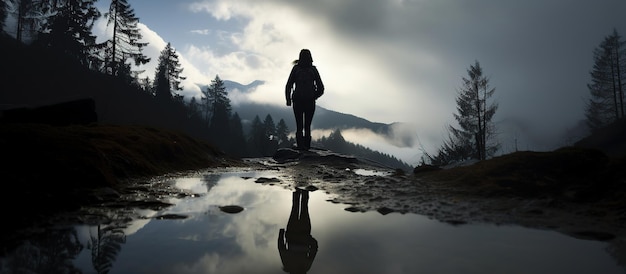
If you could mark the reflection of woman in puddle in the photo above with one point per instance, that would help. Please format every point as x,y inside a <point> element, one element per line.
<point>296,246</point>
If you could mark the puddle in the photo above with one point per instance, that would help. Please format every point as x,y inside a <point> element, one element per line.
<point>209,240</point>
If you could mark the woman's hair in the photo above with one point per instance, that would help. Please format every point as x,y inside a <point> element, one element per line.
<point>305,58</point>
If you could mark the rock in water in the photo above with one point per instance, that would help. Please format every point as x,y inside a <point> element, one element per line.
<point>231,208</point>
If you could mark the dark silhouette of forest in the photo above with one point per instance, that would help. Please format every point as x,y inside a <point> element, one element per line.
<point>36,76</point>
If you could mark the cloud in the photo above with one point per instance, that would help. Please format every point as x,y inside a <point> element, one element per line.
<point>411,154</point>
<point>156,44</point>
<point>201,31</point>
<point>275,33</point>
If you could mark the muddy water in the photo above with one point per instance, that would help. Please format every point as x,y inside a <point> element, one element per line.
<point>196,236</point>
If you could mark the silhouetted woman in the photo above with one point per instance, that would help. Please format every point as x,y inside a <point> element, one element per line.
<point>304,86</point>
<point>296,246</point>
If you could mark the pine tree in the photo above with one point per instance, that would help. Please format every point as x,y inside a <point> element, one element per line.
<point>68,30</point>
<point>3,15</point>
<point>124,44</point>
<point>162,85</point>
<point>282,134</point>
<point>214,94</point>
<point>270,127</point>
<point>105,246</point>
<point>220,112</point>
<point>30,15</point>
<point>24,20</point>
<point>146,85</point>
<point>474,137</point>
<point>271,140</point>
<point>335,141</point>
<point>217,95</point>
<point>256,140</point>
<point>193,108</point>
<point>606,104</point>
<point>453,149</point>
<point>205,103</point>
<point>126,74</point>
<point>476,114</point>
<point>237,138</point>
<point>168,73</point>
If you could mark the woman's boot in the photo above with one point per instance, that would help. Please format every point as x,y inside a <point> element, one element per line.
<point>307,142</point>
<point>300,143</point>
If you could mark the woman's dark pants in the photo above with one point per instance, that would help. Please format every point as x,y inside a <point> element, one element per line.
<point>303,111</point>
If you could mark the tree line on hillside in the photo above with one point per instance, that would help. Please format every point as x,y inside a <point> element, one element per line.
<point>266,136</point>
<point>336,142</point>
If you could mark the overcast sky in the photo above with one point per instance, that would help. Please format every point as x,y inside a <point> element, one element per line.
<point>398,60</point>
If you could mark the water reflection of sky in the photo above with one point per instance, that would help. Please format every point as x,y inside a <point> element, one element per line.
<point>211,241</point>
<point>368,172</point>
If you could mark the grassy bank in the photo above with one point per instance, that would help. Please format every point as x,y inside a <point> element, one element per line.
<point>46,168</point>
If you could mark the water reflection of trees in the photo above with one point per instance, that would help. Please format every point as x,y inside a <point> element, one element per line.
<point>52,252</point>
<point>105,246</point>
<point>211,180</point>
<point>617,249</point>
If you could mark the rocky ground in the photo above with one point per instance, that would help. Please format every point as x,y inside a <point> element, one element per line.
<point>576,191</point>
<point>452,197</point>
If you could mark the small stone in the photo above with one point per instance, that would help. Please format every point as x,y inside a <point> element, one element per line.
<point>264,180</point>
<point>170,217</point>
<point>385,210</point>
<point>353,209</point>
<point>231,208</point>
<point>455,222</point>
<point>311,188</point>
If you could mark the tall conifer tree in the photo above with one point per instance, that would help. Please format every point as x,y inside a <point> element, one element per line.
<point>606,87</point>
<point>237,137</point>
<point>256,140</point>
<point>271,140</point>
<point>168,73</point>
<point>220,112</point>
<point>475,114</point>
<point>68,30</point>
<point>124,43</point>
<point>475,136</point>
<point>30,15</point>
<point>4,12</point>
<point>282,133</point>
